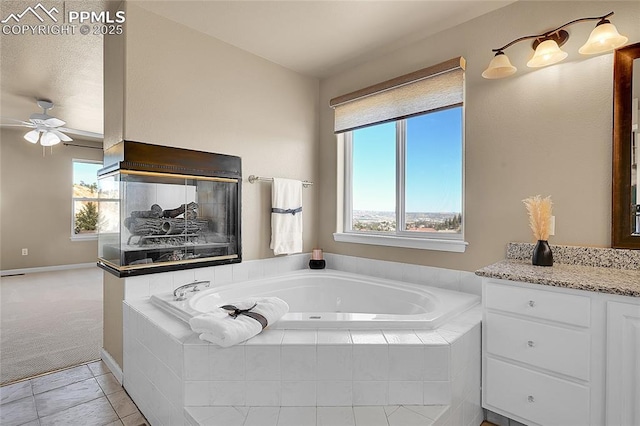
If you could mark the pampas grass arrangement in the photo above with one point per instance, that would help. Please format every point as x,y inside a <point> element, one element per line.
<point>539,210</point>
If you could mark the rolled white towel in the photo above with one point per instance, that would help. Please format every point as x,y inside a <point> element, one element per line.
<point>222,329</point>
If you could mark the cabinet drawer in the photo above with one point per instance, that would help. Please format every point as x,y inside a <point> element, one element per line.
<point>545,346</point>
<point>553,306</point>
<point>535,396</point>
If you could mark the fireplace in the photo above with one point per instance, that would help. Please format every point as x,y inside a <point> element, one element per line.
<point>165,208</point>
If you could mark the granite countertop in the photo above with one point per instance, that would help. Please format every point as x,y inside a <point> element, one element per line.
<point>590,278</point>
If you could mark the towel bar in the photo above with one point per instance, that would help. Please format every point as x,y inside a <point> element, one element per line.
<point>254,179</point>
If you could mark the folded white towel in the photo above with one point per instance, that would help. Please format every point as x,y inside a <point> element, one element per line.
<point>222,329</point>
<point>286,228</point>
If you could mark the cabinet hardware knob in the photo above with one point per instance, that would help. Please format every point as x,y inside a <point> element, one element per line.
<point>530,398</point>
<point>530,343</point>
<point>532,303</point>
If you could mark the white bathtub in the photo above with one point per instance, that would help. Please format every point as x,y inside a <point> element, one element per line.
<point>334,299</point>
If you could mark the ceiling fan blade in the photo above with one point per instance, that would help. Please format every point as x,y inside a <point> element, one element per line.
<point>54,122</point>
<point>49,139</point>
<point>32,136</point>
<point>24,123</point>
<point>81,133</point>
<point>61,135</point>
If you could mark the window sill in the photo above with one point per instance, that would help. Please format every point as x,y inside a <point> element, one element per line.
<point>457,246</point>
<point>93,237</point>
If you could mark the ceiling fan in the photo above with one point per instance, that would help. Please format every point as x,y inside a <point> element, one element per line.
<point>47,129</point>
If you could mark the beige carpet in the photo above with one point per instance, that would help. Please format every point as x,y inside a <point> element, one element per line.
<point>49,321</point>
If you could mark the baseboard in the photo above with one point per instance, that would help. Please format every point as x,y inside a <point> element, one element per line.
<point>112,364</point>
<point>46,269</point>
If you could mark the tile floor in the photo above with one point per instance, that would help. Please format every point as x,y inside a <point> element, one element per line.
<point>86,395</point>
<point>395,415</point>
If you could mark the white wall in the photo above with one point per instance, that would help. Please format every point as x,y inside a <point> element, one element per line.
<point>545,131</point>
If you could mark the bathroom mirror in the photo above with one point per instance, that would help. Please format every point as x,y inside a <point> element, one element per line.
<point>625,228</point>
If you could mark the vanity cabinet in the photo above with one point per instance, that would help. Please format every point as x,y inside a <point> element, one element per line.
<point>558,356</point>
<point>623,363</point>
<point>536,354</point>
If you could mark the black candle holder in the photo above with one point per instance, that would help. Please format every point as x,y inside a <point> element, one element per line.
<point>317,264</point>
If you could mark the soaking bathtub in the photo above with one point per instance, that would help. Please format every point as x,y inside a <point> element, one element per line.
<point>333,299</point>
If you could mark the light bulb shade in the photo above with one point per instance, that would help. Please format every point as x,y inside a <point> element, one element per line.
<point>32,136</point>
<point>499,67</point>
<point>548,52</point>
<point>603,38</point>
<point>49,139</point>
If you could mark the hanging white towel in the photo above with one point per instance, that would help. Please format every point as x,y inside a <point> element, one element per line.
<point>286,216</point>
<point>224,330</point>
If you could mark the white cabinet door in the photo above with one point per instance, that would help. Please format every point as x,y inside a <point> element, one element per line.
<point>623,364</point>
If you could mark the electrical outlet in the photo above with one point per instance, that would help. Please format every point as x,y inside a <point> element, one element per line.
<point>25,252</point>
<point>553,226</point>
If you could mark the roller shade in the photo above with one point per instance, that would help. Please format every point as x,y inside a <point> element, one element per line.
<point>429,89</point>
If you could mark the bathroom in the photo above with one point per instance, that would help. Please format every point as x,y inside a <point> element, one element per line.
<point>545,131</point>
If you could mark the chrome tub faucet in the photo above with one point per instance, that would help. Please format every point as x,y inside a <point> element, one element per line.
<point>180,293</point>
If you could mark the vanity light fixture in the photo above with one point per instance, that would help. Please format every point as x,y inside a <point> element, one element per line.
<point>603,38</point>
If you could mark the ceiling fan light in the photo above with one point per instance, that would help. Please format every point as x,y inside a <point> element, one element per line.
<point>49,139</point>
<point>32,136</point>
<point>54,122</point>
<point>547,53</point>
<point>499,67</point>
<point>603,38</point>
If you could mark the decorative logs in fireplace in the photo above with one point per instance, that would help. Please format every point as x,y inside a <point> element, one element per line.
<point>156,221</point>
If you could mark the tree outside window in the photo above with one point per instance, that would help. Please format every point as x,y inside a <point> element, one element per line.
<point>86,212</point>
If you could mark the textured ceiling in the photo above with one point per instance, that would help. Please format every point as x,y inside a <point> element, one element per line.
<point>315,38</point>
<point>66,69</point>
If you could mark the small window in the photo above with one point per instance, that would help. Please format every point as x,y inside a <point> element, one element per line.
<point>85,205</point>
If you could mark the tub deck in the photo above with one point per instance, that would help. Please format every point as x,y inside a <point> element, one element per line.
<point>330,299</point>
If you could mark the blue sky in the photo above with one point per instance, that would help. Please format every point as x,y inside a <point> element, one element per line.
<point>86,172</point>
<point>433,165</point>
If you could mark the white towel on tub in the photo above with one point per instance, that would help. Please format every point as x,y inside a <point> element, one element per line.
<point>219,327</point>
<point>286,216</point>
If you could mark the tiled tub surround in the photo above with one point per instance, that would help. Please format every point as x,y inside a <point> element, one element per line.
<point>155,344</point>
<point>576,274</point>
<point>167,368</point>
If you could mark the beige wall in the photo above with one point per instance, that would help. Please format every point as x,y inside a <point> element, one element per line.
<point>545,132</point>
<point>112,297</point>
<point>36,203</point>
<point>189,90</point>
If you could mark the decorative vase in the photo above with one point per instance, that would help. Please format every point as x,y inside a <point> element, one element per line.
<point>542,255</point>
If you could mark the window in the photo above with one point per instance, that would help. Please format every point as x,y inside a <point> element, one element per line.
<point>85,204</point>
<point>403,178</point>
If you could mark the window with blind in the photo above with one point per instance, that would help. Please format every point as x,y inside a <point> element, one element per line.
<point>404,160</point>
